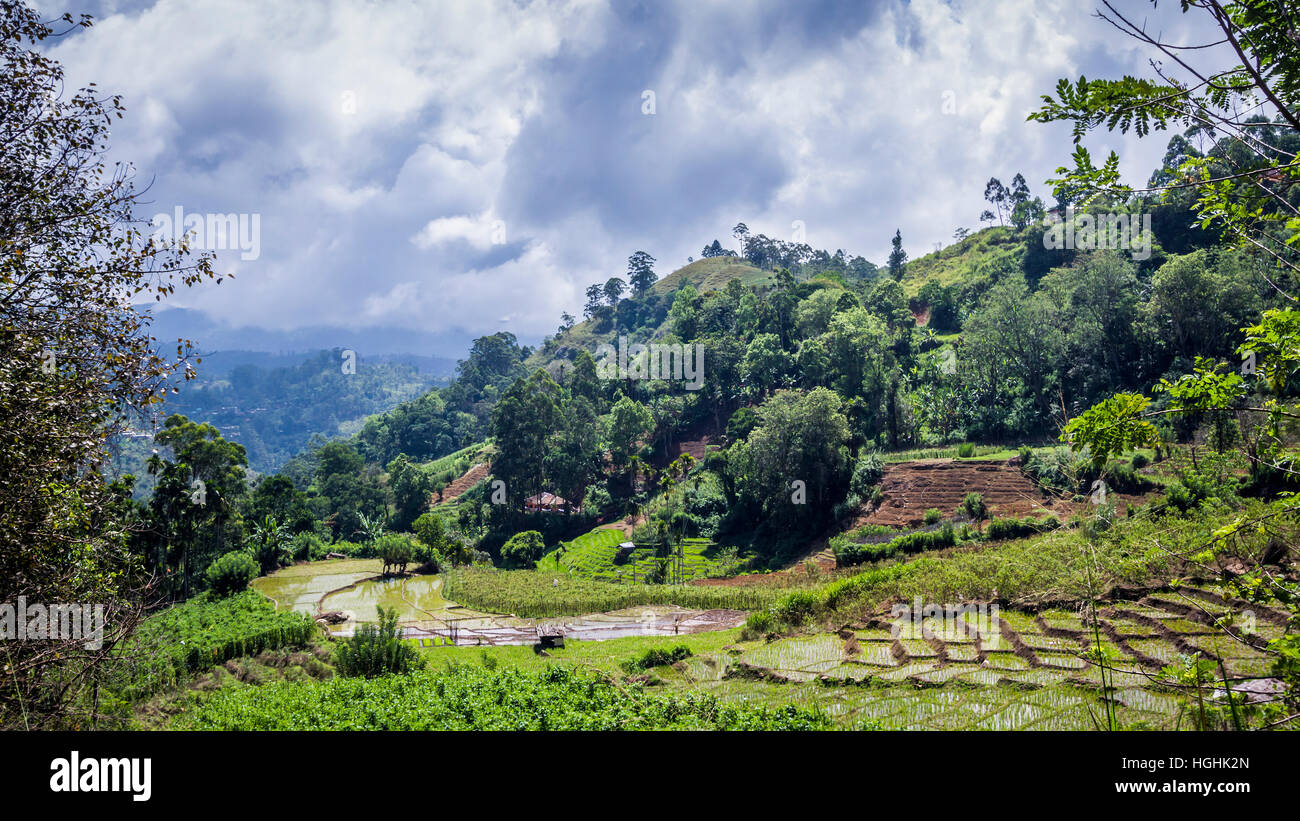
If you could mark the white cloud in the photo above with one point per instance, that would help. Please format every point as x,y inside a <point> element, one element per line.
<point>384,143</point>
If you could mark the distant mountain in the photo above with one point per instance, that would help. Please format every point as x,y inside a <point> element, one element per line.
<point>274,404</point>
<point>209,334</point>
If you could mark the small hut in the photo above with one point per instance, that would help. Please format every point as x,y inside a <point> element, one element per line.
<point>550,634</point>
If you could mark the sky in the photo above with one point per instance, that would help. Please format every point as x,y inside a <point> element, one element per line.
<point>447,170</point>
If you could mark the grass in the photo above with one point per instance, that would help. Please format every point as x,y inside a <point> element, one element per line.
<point>461,460</point>
<point>989,453</point>
<point>541,594</point>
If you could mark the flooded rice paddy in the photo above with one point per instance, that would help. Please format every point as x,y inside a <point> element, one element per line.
<point>352,587</point>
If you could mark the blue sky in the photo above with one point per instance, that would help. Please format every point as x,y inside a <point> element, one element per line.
<point>459,168</point>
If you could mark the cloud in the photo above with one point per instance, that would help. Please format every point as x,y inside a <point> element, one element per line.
<point>456,167</point>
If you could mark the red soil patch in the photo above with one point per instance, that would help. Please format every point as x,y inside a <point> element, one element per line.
<point>911,488</point>
<point>471,477</point>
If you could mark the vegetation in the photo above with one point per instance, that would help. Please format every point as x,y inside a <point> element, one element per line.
<point>376,650</point>
<point>177,642</point>
<point>474,698</point>
<point>538,594</point>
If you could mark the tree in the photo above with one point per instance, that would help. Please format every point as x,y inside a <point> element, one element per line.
<point>77,363</point>
<point>195,503</point>
<point>524,423</point>
<point>269,543</point>
<point>231,573</point>
<point>522,550</point>
<point>595,298</point>
<point>897,257</point>
<point>627,424</point>
<point>996,194</point>
<point>1249,106</point>
<point>431,531</point>
<point>411,486</point>
<point>614,288</point>
<point>766,363</point>
<point>640,272</point>
<point>800,437</point>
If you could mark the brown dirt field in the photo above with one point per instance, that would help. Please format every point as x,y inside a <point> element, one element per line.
<point>911,488</point>
<point>471,477</point>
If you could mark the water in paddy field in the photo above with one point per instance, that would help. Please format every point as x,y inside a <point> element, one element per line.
<point>350,587</point>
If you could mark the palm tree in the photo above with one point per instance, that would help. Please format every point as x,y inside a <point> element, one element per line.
<point>371,528</point>
<point>269,543</point>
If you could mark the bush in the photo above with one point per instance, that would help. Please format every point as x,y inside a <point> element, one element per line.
<point>847,553</point>
<point>866,474</point>
<point>1019,528</point>
<point>231,573</point>
<point>522,550</point>
<point>1140,461</point>
<point>974,507</point>
<point>966,450</point>
<point>932,516</point>
<point>377,650</point>
<point>309,547</point>
<point>655,657</point>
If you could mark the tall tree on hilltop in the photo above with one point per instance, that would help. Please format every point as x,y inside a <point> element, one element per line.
<point>897,257</point>
<point>640,272</point>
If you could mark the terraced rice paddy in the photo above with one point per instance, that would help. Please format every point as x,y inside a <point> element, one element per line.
<point>1034,673</point>
<point>595,555</point>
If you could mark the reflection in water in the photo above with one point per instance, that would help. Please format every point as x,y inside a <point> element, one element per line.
<point>424,613</point>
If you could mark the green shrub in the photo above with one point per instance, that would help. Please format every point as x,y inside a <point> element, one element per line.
<point>932,516</point>
<point>999,529</point>
<point>867,473</point>
<point>973,506</point>
<point>231,573</point>
<point>966,450</point>
<point>522,550</point>
<point>377,650</point>
<point>1140,461</point>
<point>309,547</point>
<point>655,657</point>
<point>847,553</point>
